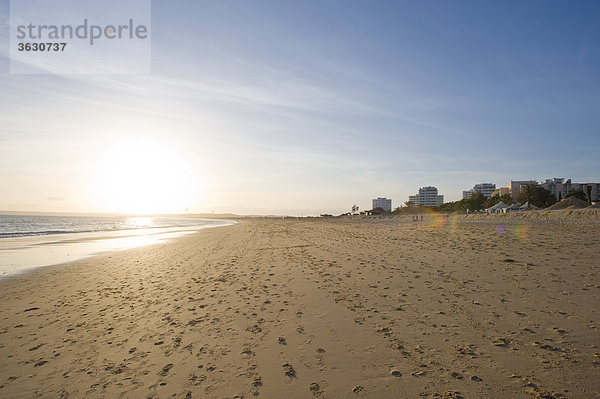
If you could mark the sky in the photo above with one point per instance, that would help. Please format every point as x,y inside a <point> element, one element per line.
<point>302,108</point>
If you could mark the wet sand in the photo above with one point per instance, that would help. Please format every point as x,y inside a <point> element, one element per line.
<point>478,306</point>
<point>22,254</point>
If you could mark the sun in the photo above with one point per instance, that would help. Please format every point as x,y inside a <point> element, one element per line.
<point>142,176</point>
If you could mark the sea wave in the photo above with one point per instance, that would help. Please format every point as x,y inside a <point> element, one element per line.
<point>31,226</point>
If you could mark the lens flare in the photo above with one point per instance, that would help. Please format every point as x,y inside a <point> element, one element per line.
<point>521,232</point>
<point>454,223</point>
<point>434,219</point>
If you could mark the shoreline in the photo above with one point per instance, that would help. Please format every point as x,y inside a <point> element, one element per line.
<point>19,255</point>
<point>314,308</point>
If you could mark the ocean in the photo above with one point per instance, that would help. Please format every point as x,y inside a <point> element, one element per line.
<point>28,242</point>
<point>12,226</point>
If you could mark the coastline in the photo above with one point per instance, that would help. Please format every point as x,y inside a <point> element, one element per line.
<point>23,254</point>
<point>330,308</point>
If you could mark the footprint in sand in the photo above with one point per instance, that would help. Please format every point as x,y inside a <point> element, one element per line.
<point>501,342</point>
<point>248,353</point>
<point>165,370</point>
<point>315,388</point>
<point>289,370</point>
<point>358,388</point>
<point>456,375</point>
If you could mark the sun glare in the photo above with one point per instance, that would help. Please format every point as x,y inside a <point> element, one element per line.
<point>142,176</point>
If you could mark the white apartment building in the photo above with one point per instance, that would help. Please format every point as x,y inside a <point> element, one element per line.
<point>558,186</point>
<point>583,186</point>
<point>428,196</point>
<point>564,187</point>
<point>485,188</point>
<point>383,203</point>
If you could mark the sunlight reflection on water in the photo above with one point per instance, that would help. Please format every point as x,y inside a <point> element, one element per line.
<point>139,222</point>
<point>18,255</point>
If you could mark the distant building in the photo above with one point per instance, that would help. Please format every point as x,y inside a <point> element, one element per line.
<point>515,186</point>
<point>485,188</point>
<point>562,187</point>
<point>583,186</point>
<point>372,212</point>
<point>428,196</point>
<point>558,186</point>
<point>383,203</point>
<point>500,192</point>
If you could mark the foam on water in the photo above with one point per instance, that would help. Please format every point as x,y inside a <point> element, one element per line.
<point>29,242</point>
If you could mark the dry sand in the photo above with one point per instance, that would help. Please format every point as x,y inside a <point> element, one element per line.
<point>337,308</point>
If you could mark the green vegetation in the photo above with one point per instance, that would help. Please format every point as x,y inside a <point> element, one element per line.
<point>475,203</point>
<point>536,195</point>
<point>411,208</point>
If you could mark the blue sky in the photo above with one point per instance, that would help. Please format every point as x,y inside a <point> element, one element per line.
<point>308,107</point>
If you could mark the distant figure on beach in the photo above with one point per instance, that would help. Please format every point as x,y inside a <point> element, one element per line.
<point>421,218</point>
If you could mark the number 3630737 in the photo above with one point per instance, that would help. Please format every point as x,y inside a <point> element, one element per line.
<point>41,46</point>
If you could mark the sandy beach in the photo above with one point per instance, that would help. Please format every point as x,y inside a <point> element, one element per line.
<point>471,306</point>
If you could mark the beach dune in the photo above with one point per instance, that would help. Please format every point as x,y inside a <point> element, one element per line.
<point>464,306</point>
